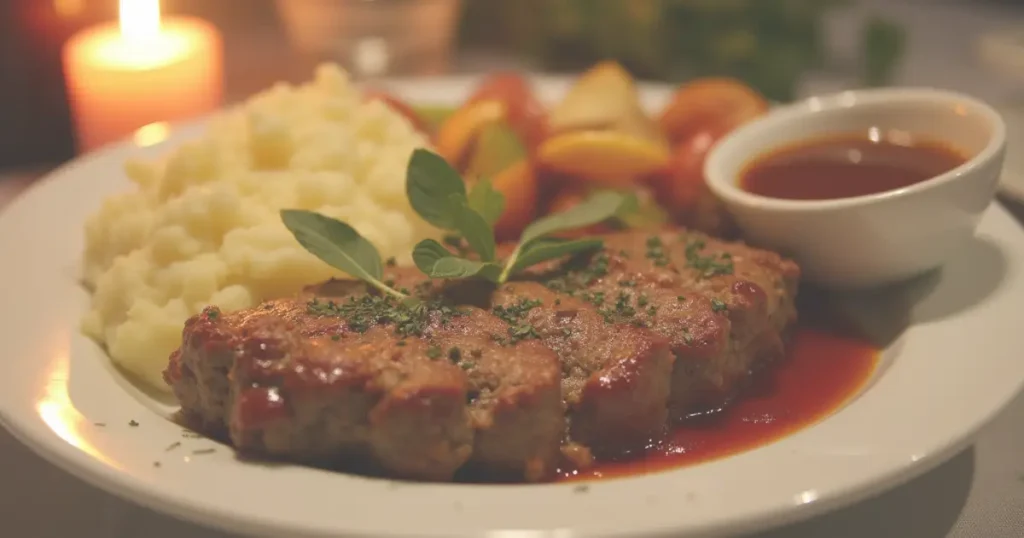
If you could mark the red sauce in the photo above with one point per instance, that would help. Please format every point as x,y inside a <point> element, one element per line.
<point>850,165</point>
<point>824,368</point>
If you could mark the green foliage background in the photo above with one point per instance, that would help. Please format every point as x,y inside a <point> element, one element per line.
<point>769,44</point>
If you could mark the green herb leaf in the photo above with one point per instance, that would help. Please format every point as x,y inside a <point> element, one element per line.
<point>431,184</point>
<point>597,208</point>
<point>337,244</point>
<point>486,201</point>
<point>548,248</point>
<point>473,227</point>
<point>438,262</point>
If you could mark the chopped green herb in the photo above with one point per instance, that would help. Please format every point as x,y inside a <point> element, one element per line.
<point>434,352</point>
<point>335,337</point>
<point>466,365</point>
<point>708,266</point>
<point>454,354</point>
<point>172,446</point>
<point>202,451</point>
<point>642,300</point>
<point>717,305</point>
<point>515,315</point>
<point>656,251</point>
<point>391,262</point>
<point>133,423</point>
<point>212,313</point>
<point>400,343</point>
<point>363,312</point>
<point>680,298</point>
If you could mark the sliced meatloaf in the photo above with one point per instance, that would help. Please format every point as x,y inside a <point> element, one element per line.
<point>724,307</point>
<point>597,353</point>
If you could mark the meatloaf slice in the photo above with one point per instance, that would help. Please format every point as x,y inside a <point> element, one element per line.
<point>290,379</point>
<point>515,402</point>
<point>615,378</point>
<point>724,307</point>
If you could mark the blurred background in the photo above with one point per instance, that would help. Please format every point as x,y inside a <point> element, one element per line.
<point>784,48</point>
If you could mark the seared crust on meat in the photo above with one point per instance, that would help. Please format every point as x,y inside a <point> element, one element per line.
<point>595,354</point>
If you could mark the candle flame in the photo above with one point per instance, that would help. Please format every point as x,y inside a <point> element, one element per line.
<point>140,19</point>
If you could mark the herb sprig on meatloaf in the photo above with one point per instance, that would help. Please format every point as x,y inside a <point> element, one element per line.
<point>439,195</point>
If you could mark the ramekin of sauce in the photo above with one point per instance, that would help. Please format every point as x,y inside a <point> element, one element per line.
<point>863,188</point>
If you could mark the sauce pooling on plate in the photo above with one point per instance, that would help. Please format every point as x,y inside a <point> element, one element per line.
<point>849,165</point>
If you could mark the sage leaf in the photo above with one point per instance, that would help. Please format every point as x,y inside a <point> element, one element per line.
<point>545,249</point>
<point>431,184</point>
<point>486,201</point>
<point>435,261</point>
<point>473,228</point>
<point>337,244</point>
<point>599,207</point>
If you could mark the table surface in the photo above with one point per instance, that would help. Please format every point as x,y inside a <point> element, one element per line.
<point>978,493</point>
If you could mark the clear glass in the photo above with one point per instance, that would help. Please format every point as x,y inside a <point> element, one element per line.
<point>373,38</point>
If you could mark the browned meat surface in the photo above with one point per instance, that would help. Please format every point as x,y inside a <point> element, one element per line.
<point>596,354</point>
<point>724,307</point>
<point>289,381</point>
<point>615,377</point>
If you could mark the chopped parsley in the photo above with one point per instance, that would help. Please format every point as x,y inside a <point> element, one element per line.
<point>391,262</point>
<point>717,305</point>
<point>363,312</point>
<point>621,311</point>
<point>515,315</point>
<point>133,423</point>
<point>656,251</point>
<point>434,352</point>
<point>708,266</point>
<point>212,313</point>
<point>577,275</point>
<point>454,354</point>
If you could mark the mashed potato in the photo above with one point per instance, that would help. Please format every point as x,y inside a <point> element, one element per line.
<point>202,226</point>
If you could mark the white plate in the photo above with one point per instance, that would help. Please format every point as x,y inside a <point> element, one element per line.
<point>941,380</point>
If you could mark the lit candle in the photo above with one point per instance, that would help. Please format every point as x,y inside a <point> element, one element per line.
<point>139,71</point>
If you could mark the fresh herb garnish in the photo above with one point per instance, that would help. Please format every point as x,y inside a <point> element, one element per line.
<point>363,312</point>
<point>434,352</point>
<point>339,245</point>
<point>438,195</point>
<point>708,266</point>
<point>133,423</point>
<point>515,315</point>
<point>656,251</point>
<point>718,306</point>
